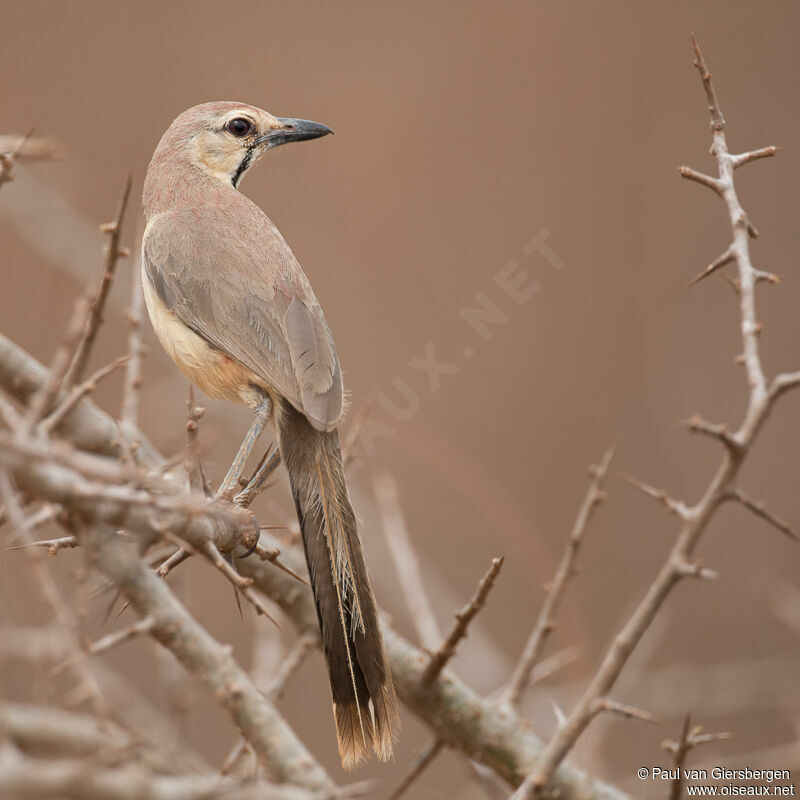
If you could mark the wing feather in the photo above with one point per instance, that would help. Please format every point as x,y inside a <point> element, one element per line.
<point>252,303</point>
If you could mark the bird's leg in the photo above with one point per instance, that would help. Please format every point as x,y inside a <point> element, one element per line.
<point>268,465</point>
<point>230,484</point>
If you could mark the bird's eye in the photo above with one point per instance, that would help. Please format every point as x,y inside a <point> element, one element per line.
<point>239,127</point>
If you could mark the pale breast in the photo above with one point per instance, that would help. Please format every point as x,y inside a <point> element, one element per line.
<point>215,373</point>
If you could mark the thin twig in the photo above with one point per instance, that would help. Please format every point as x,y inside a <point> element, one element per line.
<point>194,467</point>
<point>129,411</point>
<point>166,566</point>
<point>720,432</point>
<point>677,507</point>
<point>139,628</point>
<point>273,556</point>
<point>420,764</point>
<point>54,546</point>
<point>623,709</point>
<point>760,510</point>
<point>290,664</point>
<point>753,155</point>
<point>690,738</point>
<point>46,393</point>
<point>447,648</point>
<point>113,252</point>
<point>701,178</point>
<point>60,609</point>
<point>405,561</point>
<point>545,622</point>
<point>239,582</point>
<point>76,394</point>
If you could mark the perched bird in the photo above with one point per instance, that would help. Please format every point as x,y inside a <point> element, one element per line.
<point>232,307</point>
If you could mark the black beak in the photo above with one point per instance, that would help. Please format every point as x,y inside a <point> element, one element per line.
<point>293,130</point>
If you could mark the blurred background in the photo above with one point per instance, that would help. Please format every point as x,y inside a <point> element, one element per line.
<point>464,131</point>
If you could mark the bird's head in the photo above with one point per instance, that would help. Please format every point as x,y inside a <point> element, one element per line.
<point>225,139</point>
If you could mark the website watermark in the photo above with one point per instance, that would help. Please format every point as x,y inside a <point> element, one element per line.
<point>724,781</point>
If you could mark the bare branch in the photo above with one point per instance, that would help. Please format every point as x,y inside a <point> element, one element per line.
<point>138,628</point>
<point>280,751</point>
<point>86,426</point>
<point>60,609</point>
<point>627,711</point>
<point>694,522</point>
<point>753,155</point>
<point>239,582</point>
<point>714,111</point>
<point>194,467</point>
<point>42,399</point>
<point>677,507</point>
<point>129,411</point>
<point>405,561</point>
<point>456,714</point>
<point>421,762</point>
<point>56,416</point>
<point>177,558</point>
<point>706,180</point>
<point>783,383</point>
<point>760,510</point>
<point>273,556</point>
<point>290,664</point>
<point>717,431</point>
<point>447,648</point>
<point>555,591</point>
<point>690,738</point>
<point>54,546</point>
<point>94,319</point>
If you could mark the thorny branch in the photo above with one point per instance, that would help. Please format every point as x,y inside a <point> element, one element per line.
<point>695,519</point>
<point>690,738</point>
<point>91,325</point>
<point>545,622</point>
<point>455,713</point>
<point>99,483</point>
<point>447,648</point>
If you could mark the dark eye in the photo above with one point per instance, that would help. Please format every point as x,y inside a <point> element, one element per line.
<point>239,127</point>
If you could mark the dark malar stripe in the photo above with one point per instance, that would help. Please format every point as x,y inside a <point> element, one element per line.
<point>242,168</point>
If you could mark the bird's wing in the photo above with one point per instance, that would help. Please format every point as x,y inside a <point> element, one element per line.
<point>247,297</point>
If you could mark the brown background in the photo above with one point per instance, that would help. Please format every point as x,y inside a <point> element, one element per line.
<point>461,131</point>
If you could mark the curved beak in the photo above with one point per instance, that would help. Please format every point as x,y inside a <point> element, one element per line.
<point>293,130</point>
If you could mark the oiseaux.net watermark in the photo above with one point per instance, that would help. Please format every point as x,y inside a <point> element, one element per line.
<point>724,781</point>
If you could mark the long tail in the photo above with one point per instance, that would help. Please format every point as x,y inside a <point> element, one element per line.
<point>364,700</point>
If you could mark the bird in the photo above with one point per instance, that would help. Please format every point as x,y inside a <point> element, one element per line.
<point>232,307</point>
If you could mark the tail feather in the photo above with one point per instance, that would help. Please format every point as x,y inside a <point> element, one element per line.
<point>364,700</point>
